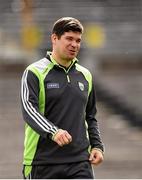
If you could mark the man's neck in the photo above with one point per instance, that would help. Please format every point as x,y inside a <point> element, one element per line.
<point>62,62</point>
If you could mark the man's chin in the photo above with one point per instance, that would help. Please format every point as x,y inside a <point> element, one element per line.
<point>71,57</point>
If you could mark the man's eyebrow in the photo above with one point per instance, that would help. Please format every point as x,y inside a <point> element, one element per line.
<point>72,37</point>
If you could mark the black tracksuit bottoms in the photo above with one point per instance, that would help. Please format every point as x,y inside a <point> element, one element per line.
<point>77,170</point>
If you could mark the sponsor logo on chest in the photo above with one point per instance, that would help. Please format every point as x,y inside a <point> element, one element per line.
<point>52,85</point>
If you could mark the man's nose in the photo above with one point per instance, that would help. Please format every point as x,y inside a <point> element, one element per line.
<point>74,44</point>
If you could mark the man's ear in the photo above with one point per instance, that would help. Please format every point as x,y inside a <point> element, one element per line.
<point>53,38</point>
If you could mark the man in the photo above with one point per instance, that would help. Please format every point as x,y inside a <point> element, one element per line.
<point>62,138</point>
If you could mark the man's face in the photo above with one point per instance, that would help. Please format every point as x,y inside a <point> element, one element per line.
<point>67,46</point>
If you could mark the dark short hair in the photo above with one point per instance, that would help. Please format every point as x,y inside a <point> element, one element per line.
<point>66,24</point>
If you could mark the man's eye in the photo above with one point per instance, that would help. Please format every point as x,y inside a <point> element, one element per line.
<point>69,38</point>
<point>78,41</point>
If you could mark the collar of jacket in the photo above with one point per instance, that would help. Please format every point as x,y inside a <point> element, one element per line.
<point>49,56</point>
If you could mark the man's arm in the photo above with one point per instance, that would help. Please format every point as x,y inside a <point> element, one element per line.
<point>31,114</point>
<point>30,105</point>
<point>97,147</point>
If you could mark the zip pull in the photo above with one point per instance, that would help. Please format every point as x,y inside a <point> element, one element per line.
<point>66,71</point>
<point>68,78</point>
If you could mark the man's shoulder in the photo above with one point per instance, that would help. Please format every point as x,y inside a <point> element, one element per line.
<point>40,65</point>
<point>82,69</point>
<point>87,74</point>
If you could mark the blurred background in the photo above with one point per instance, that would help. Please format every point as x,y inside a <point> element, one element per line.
<point>111,49</point>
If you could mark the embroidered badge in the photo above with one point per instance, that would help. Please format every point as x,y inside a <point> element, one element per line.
<point>81,86</point>
<point>52,85</point>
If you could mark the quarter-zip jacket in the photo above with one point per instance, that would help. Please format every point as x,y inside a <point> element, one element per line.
<point>52,98</point>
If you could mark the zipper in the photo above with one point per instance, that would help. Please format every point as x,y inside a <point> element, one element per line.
<point>68,78</point>
<point>66,72</point>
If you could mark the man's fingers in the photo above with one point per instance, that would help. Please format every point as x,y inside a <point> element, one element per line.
<point>65,139</point>
<point>96,157</point>
<point>59,143</point>
<point>96,161</point>
<point>91,158</point>
<point>62,137</point>
<point>68,136</point>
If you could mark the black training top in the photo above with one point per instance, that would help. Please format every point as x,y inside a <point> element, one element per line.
<point>52,98</point>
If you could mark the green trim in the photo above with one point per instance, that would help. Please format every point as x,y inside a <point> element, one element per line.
<point>53,60</point>
<point>41,76</point>
<point>66,71</point>
<point>89,149</point>
<point>87,135</point>
<point>41,85</point>
<point>56,63</point>
<point>87,76</point>
<point>31,137</point>
<point>73,62</point>
<point>86,125</point>
<point>27,170</point>
<point>30,144</point>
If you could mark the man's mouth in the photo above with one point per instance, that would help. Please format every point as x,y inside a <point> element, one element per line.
<point>72,51</point>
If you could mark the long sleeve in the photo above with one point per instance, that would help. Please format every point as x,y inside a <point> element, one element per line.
<point>93,129</point>
<point>30,106</point>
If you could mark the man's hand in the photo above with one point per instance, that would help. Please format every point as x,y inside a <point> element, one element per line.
<point>62,137</point>
<point>96,156</point>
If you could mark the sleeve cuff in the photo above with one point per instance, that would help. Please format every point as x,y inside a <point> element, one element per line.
<point>53,135</point>
<point>98,149</point>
